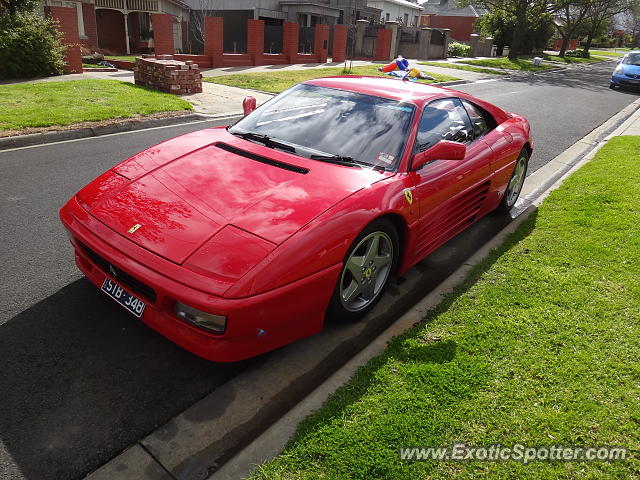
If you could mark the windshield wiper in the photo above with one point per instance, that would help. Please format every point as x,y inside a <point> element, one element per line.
<point>344,160</point>
<point>266,140</point>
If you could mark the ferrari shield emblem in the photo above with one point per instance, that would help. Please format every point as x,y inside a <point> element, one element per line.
<point>408,195</point>
<point>134,228</point>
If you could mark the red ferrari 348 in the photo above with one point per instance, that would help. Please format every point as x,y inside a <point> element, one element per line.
<point>234,241</point>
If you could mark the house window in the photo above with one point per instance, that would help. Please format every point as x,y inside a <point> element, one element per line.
<point>415,21</point>
<point>406,19</point>
<point>387,16</point>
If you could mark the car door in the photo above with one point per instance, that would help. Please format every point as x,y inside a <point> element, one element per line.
<point>449,193</point>
<point>501,142</point>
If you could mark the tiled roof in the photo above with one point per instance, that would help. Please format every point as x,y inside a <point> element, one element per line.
<point>448,8</point>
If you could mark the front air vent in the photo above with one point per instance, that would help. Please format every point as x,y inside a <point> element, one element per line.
<point>260,158</point>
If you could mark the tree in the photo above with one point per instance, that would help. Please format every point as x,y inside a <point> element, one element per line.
<point>524,15</point>
<point>12,7</point>
<point>599,15</point>
<point>501,26</point>
<point>572,16</point>
<point>206,8</point>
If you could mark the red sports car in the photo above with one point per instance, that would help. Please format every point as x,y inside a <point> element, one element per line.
<point>234,241</point>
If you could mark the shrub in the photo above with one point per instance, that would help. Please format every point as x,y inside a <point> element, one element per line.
<point>30,46</point>
<point>577,53</point>
<point>93,59</point>
<point>459,50</point>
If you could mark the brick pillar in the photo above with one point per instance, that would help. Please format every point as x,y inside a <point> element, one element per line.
<point>255,40</point>
<point>474,40</point>
<point>162,33</point>
<point>67,19</point>
<point>361,27</point>
<point>394,42</point>
<point>213,39</point>
<point>321,41</point>
<point>291,32</point>
<point>383,45</point>
<point>339,43</point>
<point>447,40</point>
<point>424,43</point>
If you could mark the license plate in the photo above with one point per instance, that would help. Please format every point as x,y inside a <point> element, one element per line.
<point>634,82</point>
<point>128,301</point>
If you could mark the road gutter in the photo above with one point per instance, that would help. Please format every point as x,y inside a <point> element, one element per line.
<point>216,437</point>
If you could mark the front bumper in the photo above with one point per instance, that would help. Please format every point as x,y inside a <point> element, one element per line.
<point>255,324</point>
<point>624,81</point>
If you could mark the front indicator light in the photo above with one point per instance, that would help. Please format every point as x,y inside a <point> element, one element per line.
<point>204,320</point>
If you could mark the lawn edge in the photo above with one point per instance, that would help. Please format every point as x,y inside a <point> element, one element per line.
<point>99,129</point>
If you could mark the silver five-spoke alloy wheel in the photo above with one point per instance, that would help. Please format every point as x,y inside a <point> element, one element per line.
<point>516,182</point>
<point>366,271</point>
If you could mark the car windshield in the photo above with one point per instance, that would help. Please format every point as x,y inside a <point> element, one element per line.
<point>632,59</point>
<point>332,125</point>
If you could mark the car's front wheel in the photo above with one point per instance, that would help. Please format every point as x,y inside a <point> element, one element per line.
<point>514,187</point>
<point>367,269</point>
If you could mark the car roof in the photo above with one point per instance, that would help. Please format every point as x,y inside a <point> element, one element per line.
<point>388,87</point>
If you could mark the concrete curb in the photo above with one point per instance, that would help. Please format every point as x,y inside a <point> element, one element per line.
<point>270,443</point>
<point>19,141</point>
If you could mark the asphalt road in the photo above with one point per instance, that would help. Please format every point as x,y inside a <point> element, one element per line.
<point>80,379</point>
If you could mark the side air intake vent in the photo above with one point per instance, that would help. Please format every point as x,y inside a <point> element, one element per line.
<point>260,158</point>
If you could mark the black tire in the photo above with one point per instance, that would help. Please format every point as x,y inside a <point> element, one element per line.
<point>612,86</point>
<point>510,198</point>
<point>371,280</point>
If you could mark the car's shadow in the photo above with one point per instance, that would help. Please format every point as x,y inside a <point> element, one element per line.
<point>81,380</point>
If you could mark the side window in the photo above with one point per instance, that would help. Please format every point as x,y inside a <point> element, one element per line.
<point>444,119</point>
<point>481,120</point>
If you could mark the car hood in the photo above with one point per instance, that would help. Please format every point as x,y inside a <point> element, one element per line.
<point>180,198</point>
<point>631,69</point>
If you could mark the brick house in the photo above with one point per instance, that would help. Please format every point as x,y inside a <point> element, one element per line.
<point>405,11</point>
<point>446,14</point>
<point>306,13</point>
<point>122,26</point>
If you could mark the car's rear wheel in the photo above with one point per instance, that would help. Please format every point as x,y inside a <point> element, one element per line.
<point>368,266</point>
<point>514,187</point>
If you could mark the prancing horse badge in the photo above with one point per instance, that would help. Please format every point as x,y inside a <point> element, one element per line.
<point>137,226</point>
<point>408,195</point>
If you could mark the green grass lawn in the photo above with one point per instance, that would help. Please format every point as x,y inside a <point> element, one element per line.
<point>468,68</point>
<point>276,82</point>
<point>504,62</point>
<point>539,346</point>
<point>45,104</point>
<point>126,58</point>
<point>618,52</point>
<point>592,59</point>
<point>91,65</point>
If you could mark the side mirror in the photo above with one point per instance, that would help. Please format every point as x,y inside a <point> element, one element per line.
<point>248,105</point>
<point>443,150</point>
